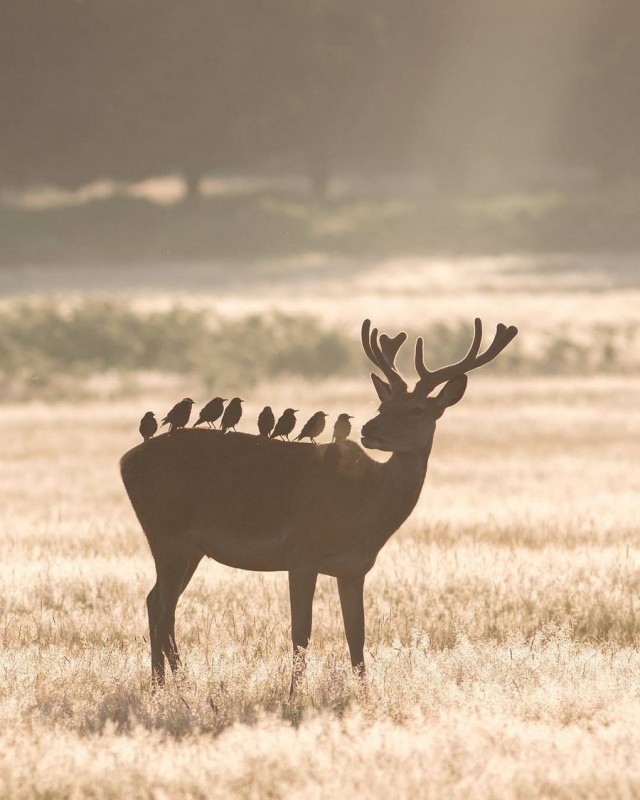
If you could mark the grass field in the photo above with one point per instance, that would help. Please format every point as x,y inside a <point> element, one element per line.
<point>503,619</point>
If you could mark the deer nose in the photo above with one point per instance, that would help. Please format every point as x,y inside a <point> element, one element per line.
<point>369,428</point>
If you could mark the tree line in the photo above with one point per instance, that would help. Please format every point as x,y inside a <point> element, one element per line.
<point>451,89</point>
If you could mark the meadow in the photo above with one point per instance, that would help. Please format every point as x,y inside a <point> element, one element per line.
<point>502,619</point>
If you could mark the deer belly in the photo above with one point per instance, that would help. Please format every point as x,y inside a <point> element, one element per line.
<point>259,553</point>
<point>350,561</point>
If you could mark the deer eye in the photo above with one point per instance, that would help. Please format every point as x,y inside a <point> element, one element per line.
<point>416,411</point>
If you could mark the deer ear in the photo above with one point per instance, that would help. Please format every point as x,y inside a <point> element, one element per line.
<point>452,392</point>
<point>382,387</point>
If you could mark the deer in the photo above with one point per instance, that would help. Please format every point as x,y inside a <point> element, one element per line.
<point>272,505</point>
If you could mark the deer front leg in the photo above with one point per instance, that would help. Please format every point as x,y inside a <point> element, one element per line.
<point>352,601</point>
<point>302,585</point>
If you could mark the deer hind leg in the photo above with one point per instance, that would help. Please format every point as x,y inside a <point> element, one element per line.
<point>173,576</point>
<point>157,656</point>
<point>169,642</point>
<point>351,591</point>
<point>302,585</point>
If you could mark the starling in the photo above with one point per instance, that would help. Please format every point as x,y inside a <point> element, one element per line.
<point>232,414</point>
<point>179,414</point>
<point>285,424</point>
<point>342,428</point>
<point>313,427</point>
<point>266,421</point>
<point>148,425</point>
<point>211,412</point>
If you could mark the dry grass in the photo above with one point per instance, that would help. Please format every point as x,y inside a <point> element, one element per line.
<point>502,620</point>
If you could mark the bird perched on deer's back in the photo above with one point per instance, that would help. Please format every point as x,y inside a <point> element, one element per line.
<point>211,412</point>
<point>179,414</point>
<point>342,428</point>
<point>285,424</point>
<point>232,414</point>
<point>313,427</point>
<point>266,421</point>
<point>148,425</point>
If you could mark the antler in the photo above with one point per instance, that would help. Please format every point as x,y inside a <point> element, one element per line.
<point>429,380</point>
<point>383,354</point>
<point>390,346</point>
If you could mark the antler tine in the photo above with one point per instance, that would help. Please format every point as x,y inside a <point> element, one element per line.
<point>390,346</point>
<point>503,336</point>
<point>429,380</point>
<point>365,334</point>
<point>396,383</point>
<point>379,356</point>
<point>421,367</point>
<point>426,374</point>
<point>477,339</point>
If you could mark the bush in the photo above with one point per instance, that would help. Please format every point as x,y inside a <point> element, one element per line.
<point>48,341</point>
<point>50,347</point>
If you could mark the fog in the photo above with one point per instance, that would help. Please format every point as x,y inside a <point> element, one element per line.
<point>208,131</point>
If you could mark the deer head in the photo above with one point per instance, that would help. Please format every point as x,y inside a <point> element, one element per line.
<point>406,420</point>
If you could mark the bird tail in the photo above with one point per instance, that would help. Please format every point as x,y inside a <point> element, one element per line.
<point>197,422</point>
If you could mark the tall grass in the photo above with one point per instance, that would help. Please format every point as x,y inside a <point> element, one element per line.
<point>502,621</point>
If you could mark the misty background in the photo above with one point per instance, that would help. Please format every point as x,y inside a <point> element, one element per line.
<point>265,172</point>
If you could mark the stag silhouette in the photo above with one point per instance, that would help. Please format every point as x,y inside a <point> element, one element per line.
<point>267,504</point>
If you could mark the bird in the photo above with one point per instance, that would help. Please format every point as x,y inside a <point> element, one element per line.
<point>179,414</point>
<point>266,421</point>
<point>148,425</point>
<point>285,424</point>
<point>211,412</point>
<point>342,428</point>
<point>232,414</point>
<point>312,427</point>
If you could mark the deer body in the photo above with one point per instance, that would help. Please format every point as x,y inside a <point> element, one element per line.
<point>264,504</point>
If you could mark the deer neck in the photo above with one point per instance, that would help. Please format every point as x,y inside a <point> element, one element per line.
<point>404,474</point>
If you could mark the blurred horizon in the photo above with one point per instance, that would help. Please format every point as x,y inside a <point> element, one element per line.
<point>194,131</point>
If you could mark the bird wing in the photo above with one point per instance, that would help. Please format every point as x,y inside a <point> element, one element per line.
<point>171,414</point>
<point>210,408</point>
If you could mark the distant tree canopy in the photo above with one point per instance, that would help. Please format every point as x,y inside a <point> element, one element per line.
<point>127,89</point>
